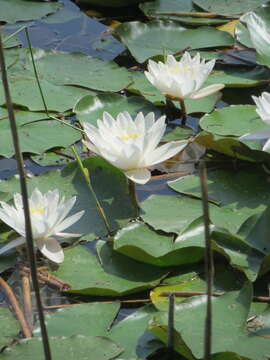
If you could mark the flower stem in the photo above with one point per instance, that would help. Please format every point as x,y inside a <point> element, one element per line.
<point>88,181</point>
<point>183,111</point>
<point>133,195</point>
<point>26,210</point>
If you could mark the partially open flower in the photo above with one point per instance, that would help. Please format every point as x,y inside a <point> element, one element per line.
<point>131,145</point>
<point>48,219</point>
<point>263,110</point>
<point>182,79</point>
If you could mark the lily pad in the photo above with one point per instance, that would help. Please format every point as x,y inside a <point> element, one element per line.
<point>223,7</point>
<point>79,320</point>
<point>247,188</point>
<point>156,37</point>
<point>136,324</point>
<point>65,347</point>
<point>109,184</point>
<point>58,68</point>
<point>11,328</point>
<point>91,108</point>
<point>107,275</point>
<point>31,135</point>
<point>178,11</point>
<point>235,120</point>
<point>22,10</point>
<point>240,78</point>
<point>58,98</point>
<point>225,279</point>
<point>231,335</point>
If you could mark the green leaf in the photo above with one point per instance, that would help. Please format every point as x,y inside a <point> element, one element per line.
<point>10,326</point>
<point>227,187</point>
<point>232,147</point>
<point>234,120</point>
<point>242,35</point>
<point>22,10</point>
<point>166,212</point>
<point>228,336</point>
<point>139,242</point>
<point>112,3</point>
<point>72,348</point>
<point>107,275</point>
<point>110,186</point>
<point>147,40</point>
<point>91,108</point>
<point>224,7</point>
<point>58,68</point>
<point>136,324</point>
<point>58,98</point>
<point>154,9</point>
<point>32,137</point>
<point>78,320</point>
<point>239,78</point>
<point>7,262</point>
<point>226,278</point>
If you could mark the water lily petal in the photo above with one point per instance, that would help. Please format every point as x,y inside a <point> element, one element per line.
<point>206,91</point>
<point>51,248</point>
<point>256,135</point>
<point>140,176</point>
<point>68,221</point>
<point>12,244</point>
<point>165,152</point>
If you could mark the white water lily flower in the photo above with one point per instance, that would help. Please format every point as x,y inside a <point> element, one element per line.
<point>48,217</point>
<point>263,110</point>
<point>131,145</point>
<point>182,79</point>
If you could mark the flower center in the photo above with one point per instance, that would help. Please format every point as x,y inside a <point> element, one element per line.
<point>180,70</point>
<point>128,137</point>
<point>37,210</point>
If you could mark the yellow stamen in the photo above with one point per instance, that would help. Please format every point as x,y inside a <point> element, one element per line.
<point>131,136</point>
<point>37,210</point>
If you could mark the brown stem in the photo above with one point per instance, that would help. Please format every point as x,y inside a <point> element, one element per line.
<point>27,299</point>
<point>16,307</point>
<point>183,110</point>
<point>187,294</point>
<point>209,263</point>
<point>133,195</point>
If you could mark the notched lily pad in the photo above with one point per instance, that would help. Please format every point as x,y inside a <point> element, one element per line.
<point>107,275</point>
<point>156,37</point>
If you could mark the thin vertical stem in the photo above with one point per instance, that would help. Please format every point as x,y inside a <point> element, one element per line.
<point>35,71</point>
<point>184,111</point>
<point>133,195</point>
<point>170,341</point>
<point>28,229</point>
<point>209,263</point>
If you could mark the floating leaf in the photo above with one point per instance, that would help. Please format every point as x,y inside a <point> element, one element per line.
<point>235,120</point>
<point>223,7</point>
<point>58,98</point>
<point>107,275</point>
<point>11,328</point>
<point>240,78</point>
<point>22,10</point>
<point>31,135</point>
<point>231,335</point>
<point>109,184</point>
<point>156,37</point>
<point>91,108</point>
<point>178,11</point>
<point>79,320</point>
<point>72,348</point>
<point>58,68</point>
<point>136,324</point>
